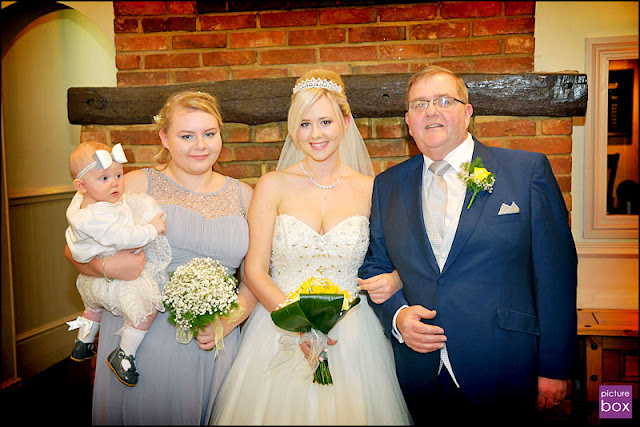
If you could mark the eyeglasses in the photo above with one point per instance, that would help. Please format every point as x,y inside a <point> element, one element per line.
<point>441,103</point>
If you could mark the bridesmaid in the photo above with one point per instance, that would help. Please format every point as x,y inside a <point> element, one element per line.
<point>206,217</point>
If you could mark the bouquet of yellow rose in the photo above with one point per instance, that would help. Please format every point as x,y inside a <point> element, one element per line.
<point>317,305</point>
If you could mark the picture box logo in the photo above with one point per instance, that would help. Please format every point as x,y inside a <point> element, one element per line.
<point>615,401</point>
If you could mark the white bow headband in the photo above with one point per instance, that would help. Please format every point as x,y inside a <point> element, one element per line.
<point>104,159</point>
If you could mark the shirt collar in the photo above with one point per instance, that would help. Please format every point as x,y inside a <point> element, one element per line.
<point>456,157</point>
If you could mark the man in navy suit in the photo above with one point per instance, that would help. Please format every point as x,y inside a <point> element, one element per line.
<point>485,324</point>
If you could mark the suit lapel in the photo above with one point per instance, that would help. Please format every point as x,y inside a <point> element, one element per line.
<point>469,217</point>
<point>412,195</point>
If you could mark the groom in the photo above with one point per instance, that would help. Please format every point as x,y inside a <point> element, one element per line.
<point>485,324</point>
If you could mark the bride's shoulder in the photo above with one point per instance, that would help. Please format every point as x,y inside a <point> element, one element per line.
<point>362,181</point>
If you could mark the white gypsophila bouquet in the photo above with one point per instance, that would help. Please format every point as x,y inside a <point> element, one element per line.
<point>200,293</point>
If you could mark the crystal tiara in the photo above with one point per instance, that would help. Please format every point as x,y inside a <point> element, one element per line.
<point>319,83</point>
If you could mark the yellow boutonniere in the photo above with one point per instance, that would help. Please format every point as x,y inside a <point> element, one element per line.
<point>477,178</point>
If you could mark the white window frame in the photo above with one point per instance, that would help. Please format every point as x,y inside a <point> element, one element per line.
<point>597,223</point>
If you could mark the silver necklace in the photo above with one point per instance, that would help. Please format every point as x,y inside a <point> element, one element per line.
<point>324,187</point>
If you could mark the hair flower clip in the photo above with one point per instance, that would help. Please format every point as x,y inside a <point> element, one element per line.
<point>157,118</point>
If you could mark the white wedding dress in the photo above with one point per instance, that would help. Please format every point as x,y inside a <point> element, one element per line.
<point>365,389</point>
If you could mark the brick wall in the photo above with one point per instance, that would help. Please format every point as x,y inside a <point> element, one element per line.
<point>160,43</point>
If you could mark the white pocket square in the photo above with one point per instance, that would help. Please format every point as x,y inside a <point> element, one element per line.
<point>509,209</point>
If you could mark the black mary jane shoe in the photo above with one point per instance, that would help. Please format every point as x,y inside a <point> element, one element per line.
<point>82,351</point>
<point>128,376</point>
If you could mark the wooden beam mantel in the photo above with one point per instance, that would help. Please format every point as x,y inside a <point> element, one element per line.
<point>257,101</point>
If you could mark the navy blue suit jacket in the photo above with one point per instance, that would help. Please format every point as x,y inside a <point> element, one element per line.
<point>506,297</point>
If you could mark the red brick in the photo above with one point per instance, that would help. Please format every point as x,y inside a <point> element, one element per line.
<point>523,127</point>
<point>362,53</point>
<point>547,145</point>
<point>408,51</point>
<point>262,152</point>
<point>240,170</point>
<point>182,7</point>
<point>490,27</point>
<point>288,19</point>
<point>132,136</point>
<point>319,36</point>
<point>503,65</point>
<point>89,135</point>
<point>567,201</point>
<point>125,25</point>
<point>257,39</point>
<point>471,48</point>
<point>393,127</point>
<point>564,182</point>
<point>519,8</point>
<point>395,67</point>
<point>228,22</point>
<point>455,66</point>
<point>287,56</point>
<point>557,127</point>
<point>174,23</point>
<point>386,149</point>
<point>172,60</point>
<point>347,16</point>
<point>235,57</point>
<point>495,142</point>
<point>560,164</point>
<point>146,78</point>
<point>199,41</point>
<point>235,132</point>
<point>298,70</point>
<point>127,62</point>
<point>143,154</point>
<point>408,13</point>
<point>375,34</point>
<point>270,132</point>
<point>201,75</point>
<point>519,44</point>
<point>471,9</point>
<point>139,8</point>
<point>443,30</point>
<point>139,43</point>
<point>226,155</point>
<point>258,73</point>
<point>364,128</point>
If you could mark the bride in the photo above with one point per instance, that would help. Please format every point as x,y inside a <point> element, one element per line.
<point>310,218</point>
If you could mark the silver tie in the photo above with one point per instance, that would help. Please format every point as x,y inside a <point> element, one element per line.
<point>437,199</point>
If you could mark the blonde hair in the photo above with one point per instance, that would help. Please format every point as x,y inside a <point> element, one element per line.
<point>82,155</point>
<point>303,100</point>
<point>432,70</point>
<point>193,100</point>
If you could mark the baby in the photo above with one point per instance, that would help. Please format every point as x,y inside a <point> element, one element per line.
<point>104,220</point>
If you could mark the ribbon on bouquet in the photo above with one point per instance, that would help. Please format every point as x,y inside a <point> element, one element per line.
<point>218,333</point>
<point>288,344</point>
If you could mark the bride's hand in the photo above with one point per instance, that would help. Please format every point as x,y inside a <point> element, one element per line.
<point>381,287</point>
<point>306,346</point>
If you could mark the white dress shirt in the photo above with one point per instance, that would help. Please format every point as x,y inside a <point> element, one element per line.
<point>456,191</point>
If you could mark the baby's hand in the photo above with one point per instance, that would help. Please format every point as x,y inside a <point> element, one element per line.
<point>160,224</point>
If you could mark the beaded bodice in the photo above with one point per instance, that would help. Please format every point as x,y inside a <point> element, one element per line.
<point>225,202</point>
<point>202,224</point>
<point>299,252</point>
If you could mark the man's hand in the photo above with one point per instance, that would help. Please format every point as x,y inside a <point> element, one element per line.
<point>551,392</point>
<point>419,336</point>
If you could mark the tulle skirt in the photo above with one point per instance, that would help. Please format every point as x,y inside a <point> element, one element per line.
<point>365,388</point>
